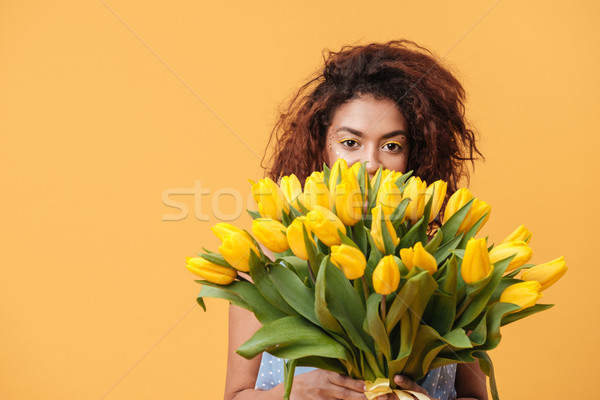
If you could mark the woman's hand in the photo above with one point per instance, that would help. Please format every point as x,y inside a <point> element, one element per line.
<point>326,385</point>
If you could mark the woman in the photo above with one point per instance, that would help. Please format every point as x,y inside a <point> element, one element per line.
<point>396,107</point>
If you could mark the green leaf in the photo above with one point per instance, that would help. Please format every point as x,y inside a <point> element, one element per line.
<point>427,345</point>
<point>413,296</point>
<point>414,235</point>
<point>514,272</point>
<point>295,293</point>
<point>345,305</point>
<point>444,250</point>
<point>346,240</point>
<point>398,213</point>
<point>360,236</point>
<point>525,313</point>
<point>441,310</point>
<point>435,242</point>
<point>401,180</point>
<point>216,258</point>
<point>478,301</point>
<point>292,337</point>
<point>451,226</point>
<point>375,328</point>
<point>325,317</point>
<point>492,319</point>
<point>314,256</point>
<point>266,287</point>
<point>254,214</point>
<point>472,232</point>
<point>245,295</point>
<point>485,362</point>
<point>296,264</point>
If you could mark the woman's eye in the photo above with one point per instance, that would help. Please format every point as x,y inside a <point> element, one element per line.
<point>392,146</point>
<point>351,143</point>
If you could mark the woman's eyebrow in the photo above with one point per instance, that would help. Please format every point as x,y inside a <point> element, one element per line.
<point>361,134</point>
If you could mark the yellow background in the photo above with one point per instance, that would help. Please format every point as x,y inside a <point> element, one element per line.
<point>105,106</point>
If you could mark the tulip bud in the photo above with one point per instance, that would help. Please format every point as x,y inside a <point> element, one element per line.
<point>546,274</point>
<point>337,172</point>
<point>521,233</point>
<point>236,248</point>
<point>417,256</point>
<point>209,271</point>
<point>271,233</point>
<point>349,259</point>
<point>478,209</point>
<point>524,294</point>
<point>223,229</point>
<point>270,199</point>
<point>438,190</point>
<point>476,264</point>
<point>376,228</point>
<point>291,188</point>
<point>386,276</point>
<point>415,190</point>
<point>461,197</point>
<point>389,196</point>
<point>519,248</point>
<point>315,192</point>
<point>348,199</point>
<point>295,237</point>
<point>325,225</point>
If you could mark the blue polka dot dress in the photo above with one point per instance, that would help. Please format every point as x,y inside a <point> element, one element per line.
<point>439,382</point>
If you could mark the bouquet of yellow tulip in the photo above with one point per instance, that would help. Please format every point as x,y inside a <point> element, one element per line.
<point>367,281</point>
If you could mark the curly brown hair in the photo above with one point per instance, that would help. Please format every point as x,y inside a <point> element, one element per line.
<point>425,92</point>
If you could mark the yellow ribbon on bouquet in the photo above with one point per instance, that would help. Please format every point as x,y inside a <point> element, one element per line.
<point>381,386</point>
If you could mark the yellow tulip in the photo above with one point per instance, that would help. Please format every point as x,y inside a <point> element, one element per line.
<point>271,233</point>
<point>389,196</point>
<point>349,259</point>
<point>476,264</point>
<point>386,276</point>
<point>461,197</point>
<point>377,233</point>
<point>236,249</point>
<point>325,225</point>
<point>546,274</point>
<point>291,188</point>
<point>295,237</point>
<point>521,233</point>
<point>355,168</point>
<point>415,190</point>
<point>478,209</point>
<point>348,199</point>
<point>270,199</point>
<point>315,192</point>
<point>223,229</point>
<point>524,294</point>
<point>386,176</point>
<point>417,256</point>
<point>438,190</point>
<point>338,170</point>
<point>521,250</point>
<point>209,271</point>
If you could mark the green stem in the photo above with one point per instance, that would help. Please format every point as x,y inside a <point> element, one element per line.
<point>365,287</point>
<point>383,307</point>
<point>311,273</point>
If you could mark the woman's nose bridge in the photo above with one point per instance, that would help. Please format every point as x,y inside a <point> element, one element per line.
<point>372,156</point>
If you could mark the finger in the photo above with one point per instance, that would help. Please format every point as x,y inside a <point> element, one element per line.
<point>355,385</point>
<point>406,383</point>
